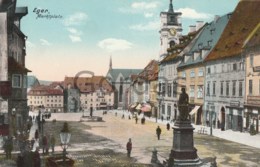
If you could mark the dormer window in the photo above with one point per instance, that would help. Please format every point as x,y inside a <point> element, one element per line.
<point>210,43</point>
<point>212,31</point>
<point>200,45</point>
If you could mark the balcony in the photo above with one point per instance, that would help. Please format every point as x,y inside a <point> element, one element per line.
<point>253,100</point>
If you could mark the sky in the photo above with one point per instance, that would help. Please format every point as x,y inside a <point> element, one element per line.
<point>66,37</point>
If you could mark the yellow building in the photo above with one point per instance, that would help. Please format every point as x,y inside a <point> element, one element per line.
<point>252,90</point>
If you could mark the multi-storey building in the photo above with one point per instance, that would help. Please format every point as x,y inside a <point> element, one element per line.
<point>48,97</point>
<point>169,81</point>
<point>225,69</point>
<point>192,66</point>
<point>252,85</point>
<point>13,73</point>
<point>170,33</point>
<point>88,92</point>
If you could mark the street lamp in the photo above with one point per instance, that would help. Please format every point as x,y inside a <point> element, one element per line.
<point>211,113</point>
<point>65,139</point>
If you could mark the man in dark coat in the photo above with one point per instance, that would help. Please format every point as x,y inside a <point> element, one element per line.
<point>129,147</point>
<point>158,132</point>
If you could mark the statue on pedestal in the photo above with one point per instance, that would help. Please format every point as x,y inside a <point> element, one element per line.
<point>183,105</point>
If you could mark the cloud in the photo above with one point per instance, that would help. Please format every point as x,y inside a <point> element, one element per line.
<point>45,42</point>
<point>75,35</point>
<point>147,15</point>
<point>140,8</point>
<point>30,44</point>
<point>75,38</point>
<point>153,25</point>
<point>113,44</point>
<point>145,5</point>
<point>193,14</point>
<point>75,19</point>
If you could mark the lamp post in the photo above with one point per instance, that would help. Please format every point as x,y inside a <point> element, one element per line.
<point>211,113</point>
<point>65,139</point>
<point>13,120</point>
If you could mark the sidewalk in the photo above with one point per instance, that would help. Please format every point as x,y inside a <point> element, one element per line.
<point>234,136</point>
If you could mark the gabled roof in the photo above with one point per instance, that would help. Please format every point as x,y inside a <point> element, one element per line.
<point>242,22</point>
<point>125,72</point>
<point>174,51</point>
<point>253,38</point>
<point>207,39</point>
<point>150,72</point>
<point>88,84</point>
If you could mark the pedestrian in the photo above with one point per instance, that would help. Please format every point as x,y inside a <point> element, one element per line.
<point>129,147</point>
<point>162,118</point>
<point>91,111</point>
<point>20,161</point>
<point>158,132</point>
<point>116,114</point>
<point>36,134</point>
<point>52,142</point>
<point>44,144</point>
<point>136,119</point>
<point>168,126</point>
<point>143,120</point>
<point>123,116</point>
<point>8,147</point>
<point>129,117</point>
<point>36,158</point>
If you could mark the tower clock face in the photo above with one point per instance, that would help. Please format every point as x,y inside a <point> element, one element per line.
<point>173,31</point>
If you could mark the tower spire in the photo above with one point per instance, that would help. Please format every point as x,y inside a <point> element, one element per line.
<point>110,64</point>
<point>170,7</point>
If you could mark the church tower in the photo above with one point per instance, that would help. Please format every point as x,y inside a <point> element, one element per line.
<point>171,29</point>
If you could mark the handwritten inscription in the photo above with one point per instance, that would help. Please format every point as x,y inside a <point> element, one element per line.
<point>45,14</point>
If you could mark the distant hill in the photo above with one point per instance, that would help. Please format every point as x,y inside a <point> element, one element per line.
<point>45,82</point>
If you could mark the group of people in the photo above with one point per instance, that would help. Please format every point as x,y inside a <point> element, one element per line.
<point>47,142</point>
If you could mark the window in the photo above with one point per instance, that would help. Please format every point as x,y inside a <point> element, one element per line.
<point>16,81</point>
<point>234,88</point>
<point>183,74</point>
<point>200,92</point>
<point>215,69</point>
<point>191,91</point>
<point>168,110</point>
<point>169,90</point>
<point>192,74</point>
<point>234,67</point>
<point>208,88</point>
<point>251,60</point>
<point>163,89</point>
<point>214,88</point>
<point>208,70</point>
<point>163,109</point>
<point>174,92</point>
<point>201,72</point>
<point>221,88</point>
<point>228,67</point>
<point>223,67</point>
<point>227,88</point>
<point>25,81</point>
<point>250,86</point>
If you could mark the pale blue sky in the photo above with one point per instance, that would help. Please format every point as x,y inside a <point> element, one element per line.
<point>90,31</point>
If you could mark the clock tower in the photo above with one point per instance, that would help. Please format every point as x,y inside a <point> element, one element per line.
<point>171,29</point>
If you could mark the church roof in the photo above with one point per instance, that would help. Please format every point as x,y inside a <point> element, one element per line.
<point>126,73</point>
<point>242,22</point>
<point>206,40</point>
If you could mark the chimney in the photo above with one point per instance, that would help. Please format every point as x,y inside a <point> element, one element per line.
<point>216,18</point>
<point>192,28</point>
<point>199,24</point>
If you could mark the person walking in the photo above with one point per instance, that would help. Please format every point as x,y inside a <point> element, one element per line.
<point>136,119</point>
<point>168,126</point>
<point>129,147</point>
<point>158,132</point>
<point>52,142</point>
<point>44,144</point>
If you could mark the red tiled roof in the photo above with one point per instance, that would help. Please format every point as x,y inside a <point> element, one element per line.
<point>242,22</point>
<point>150,72</point>
<point>88,84</point>
<point>44,90</point>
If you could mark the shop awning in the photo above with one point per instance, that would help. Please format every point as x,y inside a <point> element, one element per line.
<point>138,107</point>
<point>146,108</point>
<point>194,110</point>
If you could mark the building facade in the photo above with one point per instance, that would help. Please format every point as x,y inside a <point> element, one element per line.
<point>252,82</point>
<point>225,70</point>
<point>13,73</point>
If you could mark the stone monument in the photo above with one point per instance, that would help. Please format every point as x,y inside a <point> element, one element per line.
<point>183,152</point>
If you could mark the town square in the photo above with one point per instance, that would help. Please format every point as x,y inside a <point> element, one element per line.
<point>145,83</point>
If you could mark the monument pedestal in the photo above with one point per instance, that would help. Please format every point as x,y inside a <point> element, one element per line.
<point>183,152</point>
